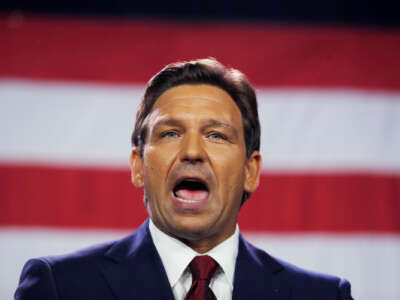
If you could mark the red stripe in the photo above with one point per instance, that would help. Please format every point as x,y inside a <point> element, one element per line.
<point>131,51</point>
<point>77,197</point>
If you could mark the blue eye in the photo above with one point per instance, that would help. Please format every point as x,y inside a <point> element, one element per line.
<point>217,136</point>
<point>169,134</point>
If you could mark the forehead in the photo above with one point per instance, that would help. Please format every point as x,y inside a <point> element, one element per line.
<point>197,99</point>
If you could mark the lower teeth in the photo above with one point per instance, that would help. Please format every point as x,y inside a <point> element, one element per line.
<point>186,200</point>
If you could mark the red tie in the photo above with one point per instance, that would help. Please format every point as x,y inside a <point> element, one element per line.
<point>203,269</point>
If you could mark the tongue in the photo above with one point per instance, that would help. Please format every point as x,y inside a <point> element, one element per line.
<point>196,195</point>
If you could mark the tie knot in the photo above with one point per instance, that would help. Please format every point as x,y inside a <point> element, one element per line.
<point>203,267</point>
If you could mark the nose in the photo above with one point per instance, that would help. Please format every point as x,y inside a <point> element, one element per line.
<point>192,150</point>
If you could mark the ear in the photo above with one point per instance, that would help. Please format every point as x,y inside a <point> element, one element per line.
<point>252,172</point>
<point>136,163</point>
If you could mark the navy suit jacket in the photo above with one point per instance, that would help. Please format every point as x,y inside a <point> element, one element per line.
<point>131,268</point>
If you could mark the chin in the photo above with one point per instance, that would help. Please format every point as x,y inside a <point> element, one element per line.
<point>192,229</point>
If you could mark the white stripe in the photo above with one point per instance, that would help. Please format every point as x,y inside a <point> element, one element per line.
<point>72,123</point>
<point>370,262</point>
<point>330,129</point>
<point>301,129</point>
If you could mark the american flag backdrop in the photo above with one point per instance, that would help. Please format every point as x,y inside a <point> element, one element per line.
<point>329,104</point>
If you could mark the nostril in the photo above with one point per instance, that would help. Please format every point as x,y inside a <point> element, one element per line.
<point>191,160</point>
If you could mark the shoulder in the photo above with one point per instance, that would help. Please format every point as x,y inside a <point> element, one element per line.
<point>44,277</point>
<point>51,276</point>
<point>89,257</point>
<point>301,282</point>
<point>80,257</point>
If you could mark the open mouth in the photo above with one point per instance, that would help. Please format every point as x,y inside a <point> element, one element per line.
<point>191,190</point>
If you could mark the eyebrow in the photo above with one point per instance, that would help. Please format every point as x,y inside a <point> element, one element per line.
<point>168,122</point>
<point>216,123</point>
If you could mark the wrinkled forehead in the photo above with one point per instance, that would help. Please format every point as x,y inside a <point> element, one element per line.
<point>188,91</point>
<point>195,100</point>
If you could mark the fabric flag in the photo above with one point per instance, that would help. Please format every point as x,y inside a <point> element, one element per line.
<point>329,103</point>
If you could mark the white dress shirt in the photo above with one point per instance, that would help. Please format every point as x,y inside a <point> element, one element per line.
<point>176,257</point>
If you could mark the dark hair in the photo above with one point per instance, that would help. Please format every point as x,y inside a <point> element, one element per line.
<point>202,71</point>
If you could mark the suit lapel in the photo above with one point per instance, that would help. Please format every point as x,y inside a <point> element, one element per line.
<point>257,275</point>
<point>133,268</point>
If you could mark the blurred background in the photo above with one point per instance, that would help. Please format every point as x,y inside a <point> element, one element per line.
<point>327,75</point>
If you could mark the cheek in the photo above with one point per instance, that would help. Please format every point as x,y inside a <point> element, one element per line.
<point>230,161</point>
<point>157,159</point>
<point>231,177</point>
<point>157,163</point>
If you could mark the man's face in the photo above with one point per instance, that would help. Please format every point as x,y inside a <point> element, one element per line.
<point>194,167</point>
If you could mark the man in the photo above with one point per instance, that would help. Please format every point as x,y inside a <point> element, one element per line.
<point>196,154</point>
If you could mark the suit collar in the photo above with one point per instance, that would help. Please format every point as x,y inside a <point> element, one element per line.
<point>134,270</point>
<point>257,275</point>
<point>176,256</point>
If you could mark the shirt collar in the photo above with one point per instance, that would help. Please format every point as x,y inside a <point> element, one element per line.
<point>176,256</point>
